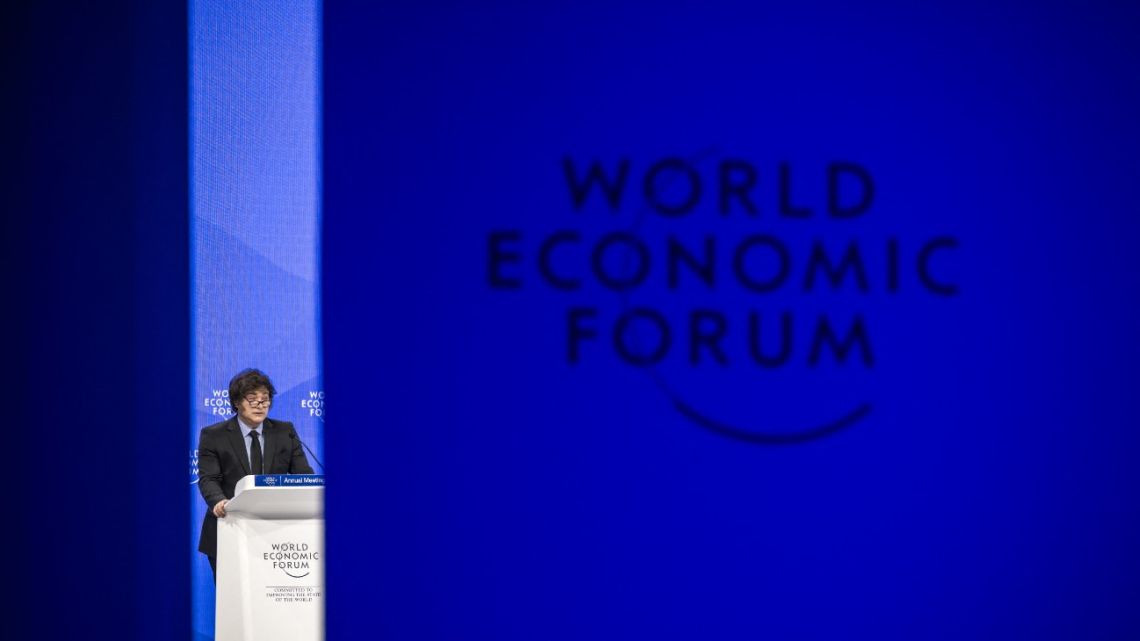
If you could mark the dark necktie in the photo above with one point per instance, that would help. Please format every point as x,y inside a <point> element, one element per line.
<point>255,453</point>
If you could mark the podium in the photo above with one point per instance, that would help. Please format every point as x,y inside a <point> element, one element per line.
<point>271,560</point>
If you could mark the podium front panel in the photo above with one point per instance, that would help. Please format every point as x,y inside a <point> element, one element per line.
<point>271,579</point>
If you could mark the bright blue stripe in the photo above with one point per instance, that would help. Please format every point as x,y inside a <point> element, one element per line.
<point>255,220</point>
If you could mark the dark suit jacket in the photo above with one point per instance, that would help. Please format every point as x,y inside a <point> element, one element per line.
<point>222,462</point>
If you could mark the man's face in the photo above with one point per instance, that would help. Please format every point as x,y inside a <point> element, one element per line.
<point>254,407</point>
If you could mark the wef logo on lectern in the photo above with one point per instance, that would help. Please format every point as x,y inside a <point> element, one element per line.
<point>725,274</point>
<point>296,559</point>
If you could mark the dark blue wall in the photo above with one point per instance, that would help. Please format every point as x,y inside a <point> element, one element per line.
<point>95,269</point>
<point>487,488</point>
<point>489,485</point>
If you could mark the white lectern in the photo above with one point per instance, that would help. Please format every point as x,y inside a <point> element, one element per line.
<point>271,560</point>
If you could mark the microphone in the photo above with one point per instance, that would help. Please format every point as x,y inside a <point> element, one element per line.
<point>293,435</point>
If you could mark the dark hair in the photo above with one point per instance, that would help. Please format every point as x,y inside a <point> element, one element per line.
<point>246,381</point>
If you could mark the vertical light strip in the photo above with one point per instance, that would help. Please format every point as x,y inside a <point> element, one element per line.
<point>255,222</point>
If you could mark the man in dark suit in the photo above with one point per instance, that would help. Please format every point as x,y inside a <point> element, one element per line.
<point>248,443</point>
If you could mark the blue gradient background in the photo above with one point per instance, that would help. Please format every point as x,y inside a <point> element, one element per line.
<point>990,493</point>
<point>255,221</point>
<point>95,262</point>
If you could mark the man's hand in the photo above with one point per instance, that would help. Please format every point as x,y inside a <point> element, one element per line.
<point>220,508</point>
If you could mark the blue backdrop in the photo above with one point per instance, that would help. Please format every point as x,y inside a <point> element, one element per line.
<point>490,488</point>
<point>559,437</point>
<point>255,220</point>
<point>97,302</point>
